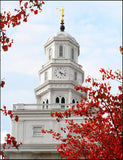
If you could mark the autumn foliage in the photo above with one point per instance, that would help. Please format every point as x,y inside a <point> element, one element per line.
<point>10,141</point>
<point>9,112</point>
<point>8,20</point>
<point>99,136</point>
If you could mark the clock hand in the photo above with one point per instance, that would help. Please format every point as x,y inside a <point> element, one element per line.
<point>60,72</point>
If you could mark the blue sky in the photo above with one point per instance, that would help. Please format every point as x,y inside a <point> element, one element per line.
<point>96,25</point>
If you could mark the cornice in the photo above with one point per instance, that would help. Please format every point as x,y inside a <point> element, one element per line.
<point>34,148</point>
<point>64,64</point>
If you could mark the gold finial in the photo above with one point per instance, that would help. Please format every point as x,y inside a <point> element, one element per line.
<point>62,12</point>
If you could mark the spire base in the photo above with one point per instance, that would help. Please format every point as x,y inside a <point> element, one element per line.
<point>62,27</point>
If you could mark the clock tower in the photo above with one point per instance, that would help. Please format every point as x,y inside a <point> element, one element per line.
<point>61,72</point>
<point>58,76</point>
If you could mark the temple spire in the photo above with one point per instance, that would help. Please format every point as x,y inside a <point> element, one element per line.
<point>62,27</point>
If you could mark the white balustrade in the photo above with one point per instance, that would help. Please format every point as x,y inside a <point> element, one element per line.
<point>40,106</point>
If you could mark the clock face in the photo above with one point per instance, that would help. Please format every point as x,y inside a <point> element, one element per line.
<point>60,72</point>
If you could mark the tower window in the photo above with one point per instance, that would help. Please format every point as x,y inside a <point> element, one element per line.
<point>73,101</point>
<point>75,76</point>
<point>72,53</point>
<point>57,100</point>
<point>63,100</point>
<point>46,76</point>
<point>60,51</point>
<point>47,103</point>
<point>43,104</point>
<point>62,103</point>
<point>50,53</point>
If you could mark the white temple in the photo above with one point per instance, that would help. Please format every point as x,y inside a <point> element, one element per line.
<point>58,76</point>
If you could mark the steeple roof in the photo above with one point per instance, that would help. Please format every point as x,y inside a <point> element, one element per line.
<point>61,36</point>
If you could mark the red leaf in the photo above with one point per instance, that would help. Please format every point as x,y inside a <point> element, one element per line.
<point>43,131</point>
<point>9,142</point>
<point>9,45</point>
<point>43,2</point>
<point>120,96</point>
<point>13,138</point>
<point>36,12</point>
<point>16,118</point>
<point>8,136</point>
<point>109,88</point>
<point>2,153</point>
<point>4,145</point>
<point>2,84</point>
<point>102,70</point>
<point>26,4</point>
<point>19,16</point>
<point>4,107</point>
<point>13,24</point>
<point>25,20</point>
<point>88,80</point>
<point>121,49</point>
<point>20,2</point>
<point>120,88</point>
<point>7,40</point>
<point>11,116</point>
<point>52,114</point>
<point>9,111</point>
<point>5,48</point>
<point>31,10</point>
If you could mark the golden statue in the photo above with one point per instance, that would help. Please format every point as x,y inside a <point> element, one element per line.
<point>62,13</point>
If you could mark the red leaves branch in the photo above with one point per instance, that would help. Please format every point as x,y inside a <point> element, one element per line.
<point>99,135</point>
<point>2,83</point>
<point>107,74</point>
<point>121,49</point>
<point>10,141</point>
<point>8,20</point>
<point>9,112</point>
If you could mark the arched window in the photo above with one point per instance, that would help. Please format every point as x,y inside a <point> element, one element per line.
<point>47,103</point>
<point>60,51</point>
<point>43,105</point>
<point>73,101</point>
<point>57,100</point>
<point>72,53</point>
<point>62,102</point>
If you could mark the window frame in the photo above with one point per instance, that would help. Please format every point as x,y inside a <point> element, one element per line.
<point>75,76</point>
<point>61,51</point>
<point>50,53</point>
<point>38,133</point>
<point>57,98</point>
<point>72,53</point>
<point>46,76</point>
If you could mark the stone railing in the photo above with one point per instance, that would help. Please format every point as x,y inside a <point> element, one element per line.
<point>41,106</point>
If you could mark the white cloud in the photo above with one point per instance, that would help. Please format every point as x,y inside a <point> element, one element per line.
<point>20,96</point>
<point>3,135</point>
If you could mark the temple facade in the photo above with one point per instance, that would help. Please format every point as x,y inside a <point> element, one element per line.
<point>58,76</point>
